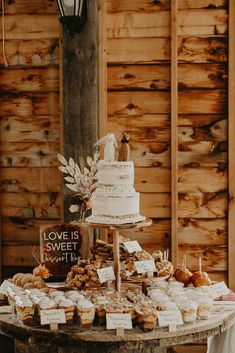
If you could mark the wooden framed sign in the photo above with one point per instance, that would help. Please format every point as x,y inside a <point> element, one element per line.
<point>60,247</point>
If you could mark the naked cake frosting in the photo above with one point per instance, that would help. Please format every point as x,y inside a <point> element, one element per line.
<point>115,200</point>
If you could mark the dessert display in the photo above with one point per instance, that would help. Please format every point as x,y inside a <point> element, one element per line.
<point>84,274</point>
<point>200,278</point>
<point>85,312</point>
<point>24,308</point>
<point>88,306</point>
<point>28,281</point>
<point>163,265</point>
<point>115,200</point>
<point>183,274</point>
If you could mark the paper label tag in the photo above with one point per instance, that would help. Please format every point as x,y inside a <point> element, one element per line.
<point>169,318</point>
<point>52,316</point>
<point>132,246</point>
<point>145,266</point>
<point>102,301</point>
<point>4,286</point>
<point>219,289</point>
<point>117,320</point>
<point>106,274</point>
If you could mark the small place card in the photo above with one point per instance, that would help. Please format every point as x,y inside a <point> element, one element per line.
<point>4,286</point>
<point>219,289</point>
<point>116,320</point>
<point>145,266</point>
<point>55,316</point>
<point>170,318</point>
<point>132,246</point>
<point>106,274</point>
<point>102,301</point>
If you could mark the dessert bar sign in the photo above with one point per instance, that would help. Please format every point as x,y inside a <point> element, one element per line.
<point>60,247</point>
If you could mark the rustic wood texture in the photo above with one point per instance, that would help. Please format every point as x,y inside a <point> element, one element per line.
<point>139,61</point>
<point>231,129</point>
<point>102,67</point>
<point>29,128</point>
<point>146,6</point>
<point>174,132</point>
<point>80,92</point>
<point>134,49</point>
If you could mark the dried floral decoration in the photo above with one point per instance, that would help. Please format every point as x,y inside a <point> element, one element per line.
<point>40,270</point>
<point>80,179</point>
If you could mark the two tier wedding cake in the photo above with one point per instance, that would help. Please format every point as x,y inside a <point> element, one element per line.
<point>115,200</point>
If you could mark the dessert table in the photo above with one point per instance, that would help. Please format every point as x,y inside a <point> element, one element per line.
<point>71,338</point>
<point>115,229</point>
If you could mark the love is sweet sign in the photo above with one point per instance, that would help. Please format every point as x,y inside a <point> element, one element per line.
<point>60,247</point>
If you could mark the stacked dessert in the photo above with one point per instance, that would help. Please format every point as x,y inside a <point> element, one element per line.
<point>115,200</point>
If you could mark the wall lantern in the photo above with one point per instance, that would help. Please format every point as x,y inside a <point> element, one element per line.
<point>73,13</point>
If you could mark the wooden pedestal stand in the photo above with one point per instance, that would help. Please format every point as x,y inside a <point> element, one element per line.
<point>115,228</point>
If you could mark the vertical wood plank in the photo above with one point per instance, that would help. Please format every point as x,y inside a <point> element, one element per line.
<point>174,133</point>
<point>116,253</point>
<point>102,67</point>
<point>80,92</point>
<point>231,151</point>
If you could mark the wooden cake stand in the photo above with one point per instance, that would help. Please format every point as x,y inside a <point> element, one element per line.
<point>115,228</point>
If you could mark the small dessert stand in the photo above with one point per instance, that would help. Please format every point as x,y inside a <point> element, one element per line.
<point>115,228</point>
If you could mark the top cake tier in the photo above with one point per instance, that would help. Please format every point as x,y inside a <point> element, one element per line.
<point>116,173</point>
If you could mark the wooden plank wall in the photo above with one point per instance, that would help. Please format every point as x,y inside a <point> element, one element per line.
<point>138,81</point>
<point>139,48</point>
<point>29,125</point>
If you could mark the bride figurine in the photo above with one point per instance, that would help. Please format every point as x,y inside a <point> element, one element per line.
<point>110,146</point>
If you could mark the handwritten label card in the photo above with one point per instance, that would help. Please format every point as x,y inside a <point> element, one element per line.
<point>55,316</point>
<point>219,289</point>
<point>170,318</point>
<point>132,246</point>
<point>114,321</point>
<point>106,274</point>
<point>145,266</point>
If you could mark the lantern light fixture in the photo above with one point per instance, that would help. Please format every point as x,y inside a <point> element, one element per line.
<point>72,13</point>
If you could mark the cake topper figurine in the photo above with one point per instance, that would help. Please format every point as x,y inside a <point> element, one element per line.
<point>110,146</point>
<point>124,149</point>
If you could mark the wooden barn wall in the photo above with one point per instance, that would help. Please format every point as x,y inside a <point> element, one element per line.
<point>138,44</point>
<point>139,97</point>
<point>29,123</point>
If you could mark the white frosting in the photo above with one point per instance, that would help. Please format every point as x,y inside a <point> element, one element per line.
<point>46,303</point>
<point>84,304</point>
<point>63,302</point>
<point>116,173</point>
<point>115,200</point>
<point>23,301</point>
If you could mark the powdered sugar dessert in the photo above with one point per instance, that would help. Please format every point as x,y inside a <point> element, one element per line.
<point>115,200</point>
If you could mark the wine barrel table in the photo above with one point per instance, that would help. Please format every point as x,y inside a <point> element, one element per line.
<point>71,338</point>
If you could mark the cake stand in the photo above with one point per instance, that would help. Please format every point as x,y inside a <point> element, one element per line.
<point>115,228</point>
